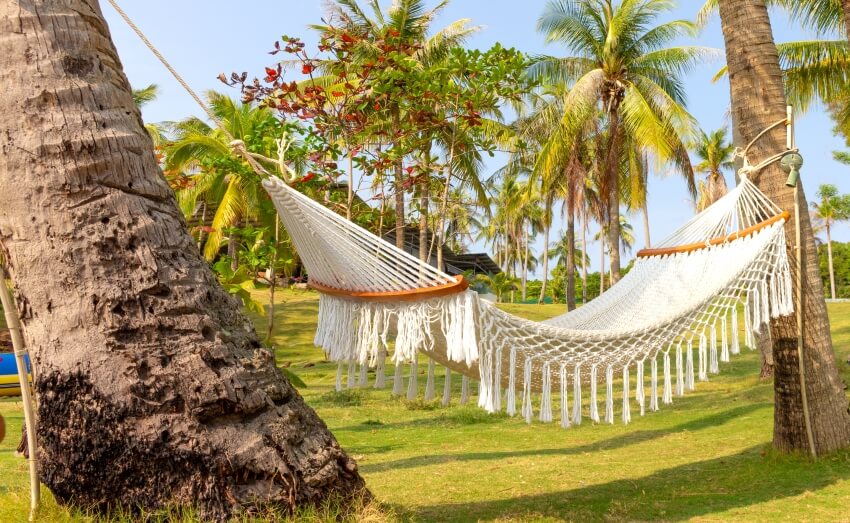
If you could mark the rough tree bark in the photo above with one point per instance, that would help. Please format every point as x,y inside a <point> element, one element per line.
<point>758,100</point>
<point>153,386</point>
<point>570,262</point>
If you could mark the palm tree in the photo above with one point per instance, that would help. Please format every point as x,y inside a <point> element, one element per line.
<point>562,250</point>
<point>622,69</point>
<point>218,178</point>
<point>830,209</point>
<point>140,341</point>
<point>715,154</point>
<point>142,97</point>
<point>758,101</point>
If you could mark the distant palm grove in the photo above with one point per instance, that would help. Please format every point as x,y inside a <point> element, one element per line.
<point>390,119</point>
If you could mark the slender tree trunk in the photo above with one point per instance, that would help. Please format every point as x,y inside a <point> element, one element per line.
<point>398,168</point>
<point>545,263</point>
<point>602,267</point>
<point>646,224</point>
<point>829,261</point>
<point>758,100</point>
<point>584,259</point>
<point>571,259</point>
<point>525,264</point>
<point>153,387</point>
<point>613,195</point>
<point>349,200</point>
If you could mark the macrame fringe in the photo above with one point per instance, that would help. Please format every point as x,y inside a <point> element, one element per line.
<point>577,395</point>
<point>464,390</point>
<point>353,330</point>
<point>363,379</point>
<point>511,407</point>
<point>640,394</point>
<point>724,341</point>
<point>690,362</point>
<point>546,396</point>
<point>527,411</point>
<point>680,372</point>
<point>703,357</point>
<point>594,410</point>
<point>430,393</point>
<point>447,388</point>
<point>714,367</point>
<point>653,388</point>
<point>736,333</point>
<point>350,378</point>
<point>565,416</point>
<point>380,376</point>
<point>413,381</point>
<point>667,396</point>
<point>627,413</point>
<point>398,376</point>
<point>609,396</point>
<point>496,387</point>
<point>338,386</point>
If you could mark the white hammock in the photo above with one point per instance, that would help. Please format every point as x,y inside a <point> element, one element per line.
<point>678,299</point>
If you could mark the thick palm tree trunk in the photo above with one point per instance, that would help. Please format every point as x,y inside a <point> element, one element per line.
<point>829,262</point>
<point>758,100</point>
<point>602,264</point>
<point>613,195</point>
<point>153,387</point>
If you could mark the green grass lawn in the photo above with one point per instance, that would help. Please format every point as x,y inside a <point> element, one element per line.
<point>707,457</point>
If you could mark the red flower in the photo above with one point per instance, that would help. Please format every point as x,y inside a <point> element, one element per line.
<point>307,69</point>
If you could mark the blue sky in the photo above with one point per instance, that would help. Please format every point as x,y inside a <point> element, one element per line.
<point>203,39</point>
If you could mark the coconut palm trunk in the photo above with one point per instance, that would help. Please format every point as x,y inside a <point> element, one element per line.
<point>525,263</point>
<point>153,387</point>
<point>646,224</point>
<point>758,100</point>
<point>613,192</point>
<point>398,182</point>
<point>602,265</point>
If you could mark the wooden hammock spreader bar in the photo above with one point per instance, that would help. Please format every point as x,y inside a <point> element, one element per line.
<point>422,293</point>
<point>663,251</point>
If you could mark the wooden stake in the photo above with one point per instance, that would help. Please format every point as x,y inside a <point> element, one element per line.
<point>14,323</point>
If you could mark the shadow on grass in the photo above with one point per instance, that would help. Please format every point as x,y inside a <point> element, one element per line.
<point>696,489</point>
<point>624,440</point>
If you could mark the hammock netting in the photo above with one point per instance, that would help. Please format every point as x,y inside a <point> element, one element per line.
<point>669,321</point>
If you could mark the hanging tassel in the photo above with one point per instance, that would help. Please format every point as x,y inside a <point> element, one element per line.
<point>609,396</point>
<point>736,334</point>
<point>565,416</point>
<point>667,397</point>
<point>715,368</point>
<point>577,395</point>
<point>413,381</point>
<point>680,374</point>
<point>511,408</point>
<point>640,394</point>
<point>447,388</point>
<point>350,378</point>
<point>380,377</point>
<point>338,386</point>
<point>464,390</point>
<point>724,341</point>
<point>430,393</point>
<point>627,413</point>
<point>496,388</point>
<point>546,396</point>
<point>690,363</point>
<point>594,411</point>
<point>397,378</point>
<point>364,377</point>
<point>703,357</point>
<point>747,329</point>
<point>653,388</point>
<point>527,410</point>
